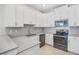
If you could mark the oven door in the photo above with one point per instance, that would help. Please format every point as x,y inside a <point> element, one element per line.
<point>60,40</point>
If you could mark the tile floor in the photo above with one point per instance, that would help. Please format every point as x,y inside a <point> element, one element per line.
<point>46,50</point>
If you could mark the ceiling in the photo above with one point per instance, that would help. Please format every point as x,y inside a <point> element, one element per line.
<point>45,8</point>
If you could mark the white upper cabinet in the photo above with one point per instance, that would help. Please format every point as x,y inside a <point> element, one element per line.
<point>13,16</point>
<point>19,16</point>
<point>44,20</point>
<point>64,13</point>
<point>39,22</point>
<point>29,15</point>
<point>71,13</point>
<point>50,19</point>
<point>72,16</point>
<point>61,13</point>
<point>9,15</point>
<point>77,15</point>
<point>58,13</point>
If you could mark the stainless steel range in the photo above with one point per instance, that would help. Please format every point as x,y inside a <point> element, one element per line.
<point>61,39</point>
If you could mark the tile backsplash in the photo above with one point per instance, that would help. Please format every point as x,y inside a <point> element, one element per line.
<point>49,30</point>
<point>74,30</point>
<point>26,30</point>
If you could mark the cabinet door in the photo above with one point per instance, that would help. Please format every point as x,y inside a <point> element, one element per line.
<point>57,15</point>
<point>72,16</point>
<point>73,45</point>
<point>44,20</point>
<point>52,19</point>
<point>64,12</point>
<point>40,20</point>
<point>9,15</point>
<point>49,39</point>
<point>19,16</point>
<point>61,13</point>
<point>49,20</point>
<point>77,15</point>
<point>26,16</point>
<point>29,15</point>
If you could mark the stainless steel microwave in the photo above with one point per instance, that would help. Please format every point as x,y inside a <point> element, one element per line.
<point>61,23</point>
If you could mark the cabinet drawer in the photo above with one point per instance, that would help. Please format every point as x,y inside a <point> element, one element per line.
<point>60,47</point>
<point>61,40</point>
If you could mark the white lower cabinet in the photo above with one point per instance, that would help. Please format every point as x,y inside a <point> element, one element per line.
<point>25,42</point>
<point>11,52</point>
<point>73,44</point>
<point>7,46</point>
<point>49,39</point>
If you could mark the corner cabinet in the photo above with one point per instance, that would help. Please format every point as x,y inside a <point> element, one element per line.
<point>73,44</point>
<point>13,16</point>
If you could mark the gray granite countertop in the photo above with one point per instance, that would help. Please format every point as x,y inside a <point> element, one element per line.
<point>75,35</point>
